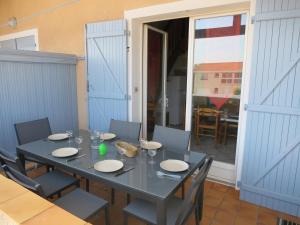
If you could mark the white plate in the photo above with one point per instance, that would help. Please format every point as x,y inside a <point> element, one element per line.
<point>173,165</point>
<point>58,137</point>
<point>151,145</point>
<point>108,166</point>
<point>64,152</point>
<point>107,136</point>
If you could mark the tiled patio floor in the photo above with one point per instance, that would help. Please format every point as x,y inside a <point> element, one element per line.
<point>221,207</point>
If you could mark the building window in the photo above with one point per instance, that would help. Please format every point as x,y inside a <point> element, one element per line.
<point>216,90</point>
<point>229,81</point>
<point>217,75</point>
<point>203,76</point>
<point>237,75</point>
<point>223,81</point>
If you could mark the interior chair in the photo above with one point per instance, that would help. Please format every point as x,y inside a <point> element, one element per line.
<point>178,210</point>
<point>53,182</point>
<point>174,140</point>
<point>78,202</point>
<point>32,131</point>
<point>128,131</point>
<point>125,129</point>
<point>207,122</point>
<point>226,130</point>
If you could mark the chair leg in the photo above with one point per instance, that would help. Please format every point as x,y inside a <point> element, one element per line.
<point>128,198</point>
<point>125,219</point>
<point>112,196</point>
<point>182,191</point>
<point>107,220</point>
<point>87,185</point>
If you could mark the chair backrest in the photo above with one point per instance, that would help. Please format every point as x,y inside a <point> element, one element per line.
<point>125,129</point>
<point>173,139</point>
<point>23,180</point>
<point>32,130</point>
<point>191,198</point>
<point>207,113</point>
<point>11,160</point>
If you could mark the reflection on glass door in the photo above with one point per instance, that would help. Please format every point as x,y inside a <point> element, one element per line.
<point>217,76</point>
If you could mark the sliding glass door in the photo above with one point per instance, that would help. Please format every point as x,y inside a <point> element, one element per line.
<point>215,75</point>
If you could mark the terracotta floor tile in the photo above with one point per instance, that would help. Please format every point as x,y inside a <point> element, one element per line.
<point>209,211</point>
<point>206,221</point>
<point>230,206</point>
<point>224,217</point>
<point>220,187</point>
<point>267,219</point>
<point>240,220</point>
<point>212,200</point>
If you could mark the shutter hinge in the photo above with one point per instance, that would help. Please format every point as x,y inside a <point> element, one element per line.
<point>87,86</point>
<point>252,19</point>
<point>245,107</point>
<point>127,32</point>
<point>127,48</point>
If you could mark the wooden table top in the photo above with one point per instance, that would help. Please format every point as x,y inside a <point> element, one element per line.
<point>19,206</point>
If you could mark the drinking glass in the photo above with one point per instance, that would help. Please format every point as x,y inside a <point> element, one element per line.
<point>152,153</point>
<point>70,134</point>
<point>78,141</point>
<point>122,152</point>
<point>142,143</point>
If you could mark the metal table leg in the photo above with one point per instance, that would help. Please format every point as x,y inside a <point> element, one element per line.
<point>161,212</point>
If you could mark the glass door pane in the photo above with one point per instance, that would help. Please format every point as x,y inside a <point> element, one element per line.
<point>217,76</point>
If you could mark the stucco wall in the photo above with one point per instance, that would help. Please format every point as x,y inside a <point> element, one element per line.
<point>63,29</point>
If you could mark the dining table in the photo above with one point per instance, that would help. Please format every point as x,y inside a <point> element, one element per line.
<point>141,181</point>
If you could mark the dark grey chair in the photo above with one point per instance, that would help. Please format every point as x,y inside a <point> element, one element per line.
<point>178,210</point>
<point>53,182</point>
<point>33,131</point>
<point>173,139</point>
<point>125,130</point>
<point>78,202</point>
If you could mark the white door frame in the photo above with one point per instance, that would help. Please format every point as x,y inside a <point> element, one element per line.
<point>222,171</point>
<point>145,75</point>
<point>187,8</point>
<point>24,33</point>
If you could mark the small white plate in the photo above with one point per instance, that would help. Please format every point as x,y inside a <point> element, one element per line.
<point>173,165</point>
<point>64,152</point>
<point>107,136</point>
<point>108,166</point>
<point>58,137</point>
<point>151,145</point>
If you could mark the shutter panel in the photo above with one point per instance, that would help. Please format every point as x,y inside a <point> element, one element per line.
<point>107,72</point>
<point>8,44</point>
<point>271,166</point>
<point>26,43</point>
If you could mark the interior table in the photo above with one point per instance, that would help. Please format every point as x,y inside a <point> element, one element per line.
<point>141,182</point>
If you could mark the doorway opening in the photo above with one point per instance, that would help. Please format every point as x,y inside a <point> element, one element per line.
<point>166,45</point>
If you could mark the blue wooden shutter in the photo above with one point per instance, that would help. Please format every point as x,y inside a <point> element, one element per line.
<point>271,167</point>
<point>26,43</point>
<point>8,44</point>
<point>107,72</point>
